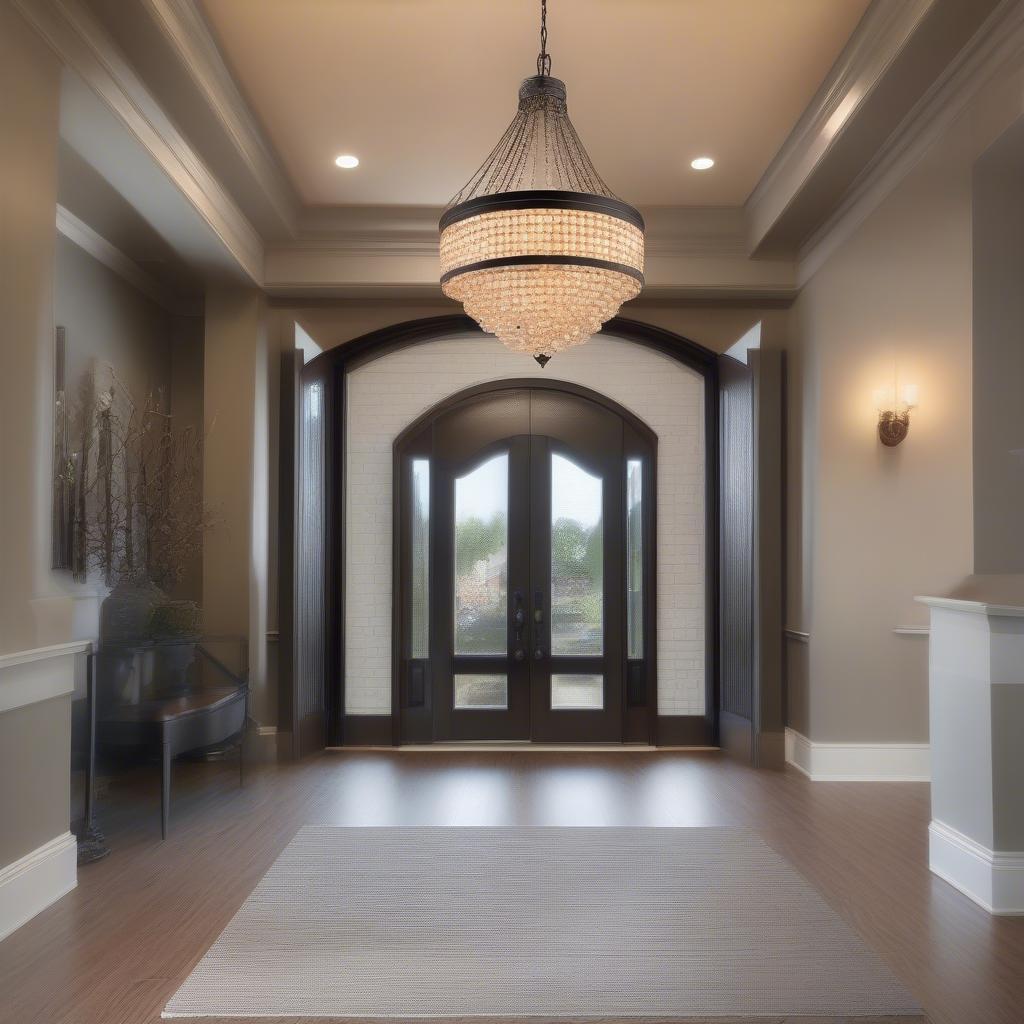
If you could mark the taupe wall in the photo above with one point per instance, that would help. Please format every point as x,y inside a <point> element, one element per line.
<point>998,361</point>
<point>28,191</point>
<point>236,478</point>
<point>34,740</point>
<point>869,527</point>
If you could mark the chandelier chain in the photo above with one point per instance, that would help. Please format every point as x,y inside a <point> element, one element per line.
<point>543,58</point>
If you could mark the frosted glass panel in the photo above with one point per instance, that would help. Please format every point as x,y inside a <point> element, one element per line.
<point>577,560</point>
<point>481,559</point>
<point>577,692</point>
<point>481,692</point>
<point>420,559</point>
<point>634,560</point>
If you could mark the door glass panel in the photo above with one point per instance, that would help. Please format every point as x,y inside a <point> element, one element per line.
<point>577,560</point>
<point>420,559</point>
<point>481,559</point>
<point>634,561</point>
<point>577,692</point>
<point>481,692</point>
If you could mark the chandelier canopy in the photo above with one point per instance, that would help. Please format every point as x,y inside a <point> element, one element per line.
<point>536,247</point>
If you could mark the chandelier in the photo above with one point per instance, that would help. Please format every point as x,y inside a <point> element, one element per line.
<point>536,247</point>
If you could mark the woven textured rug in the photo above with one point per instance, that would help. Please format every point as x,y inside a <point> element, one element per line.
<point>610,923</point>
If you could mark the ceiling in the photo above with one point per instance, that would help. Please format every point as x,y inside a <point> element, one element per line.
<point>420,90</point>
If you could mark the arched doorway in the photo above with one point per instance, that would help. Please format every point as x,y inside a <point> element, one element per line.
<point>524,520</point>
<point>345,678</point>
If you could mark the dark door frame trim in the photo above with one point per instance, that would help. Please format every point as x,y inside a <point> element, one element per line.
<point>409,442</point>
<point>335,364</point>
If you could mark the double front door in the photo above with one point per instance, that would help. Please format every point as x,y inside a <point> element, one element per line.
<point>518,599</point>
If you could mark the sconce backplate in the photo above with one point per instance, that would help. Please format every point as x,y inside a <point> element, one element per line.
<point>893,427</point>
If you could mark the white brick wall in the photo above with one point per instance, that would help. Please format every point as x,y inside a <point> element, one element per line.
<point>385,395</point>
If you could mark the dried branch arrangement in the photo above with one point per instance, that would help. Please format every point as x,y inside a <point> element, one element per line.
<point>136,486</point>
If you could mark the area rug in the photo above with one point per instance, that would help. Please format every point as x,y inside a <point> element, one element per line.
<point>609,923</point>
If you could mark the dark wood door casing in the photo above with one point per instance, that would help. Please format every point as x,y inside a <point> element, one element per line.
<point>530,420</point>
<point>332,368</point>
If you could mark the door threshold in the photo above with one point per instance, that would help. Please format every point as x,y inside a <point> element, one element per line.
<point>524,747</point>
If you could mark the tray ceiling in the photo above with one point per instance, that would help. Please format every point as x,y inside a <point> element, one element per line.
<point>420,90</point>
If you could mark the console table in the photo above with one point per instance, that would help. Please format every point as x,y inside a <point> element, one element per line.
<point>205,714</point>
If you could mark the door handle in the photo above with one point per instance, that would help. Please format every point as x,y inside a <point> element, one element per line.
<point>519,618</point>
<point>538,623</point>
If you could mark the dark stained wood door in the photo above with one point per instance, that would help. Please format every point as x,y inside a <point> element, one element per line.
<point>512,570</point>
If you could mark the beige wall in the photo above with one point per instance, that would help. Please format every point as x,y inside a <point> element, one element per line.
<point>236,478</point>
<point>869,527</point>
<point>34,740</point>
<point>998,361</point>
<point>28,191</point>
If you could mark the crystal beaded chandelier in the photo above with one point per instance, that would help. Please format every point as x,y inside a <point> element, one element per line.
<point>536,247</point>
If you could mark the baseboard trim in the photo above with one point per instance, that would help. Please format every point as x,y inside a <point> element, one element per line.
<point>684,731</point>
<point>858,762</point>
<point>994,880</point>
<point>673,731</point>
<point>30,884</point>
<point>366,731</point>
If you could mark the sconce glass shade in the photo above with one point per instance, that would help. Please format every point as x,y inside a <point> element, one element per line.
<point>909,394</point>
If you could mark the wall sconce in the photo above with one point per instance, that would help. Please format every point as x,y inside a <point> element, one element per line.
<point>894,405</point>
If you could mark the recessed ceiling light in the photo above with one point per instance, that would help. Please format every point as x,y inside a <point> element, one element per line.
<point>702,163</point>
<point>347,161</point>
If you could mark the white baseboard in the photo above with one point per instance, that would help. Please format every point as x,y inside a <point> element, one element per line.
<point>994,880</point>
<point>858,762</point>
<point>36,880</point>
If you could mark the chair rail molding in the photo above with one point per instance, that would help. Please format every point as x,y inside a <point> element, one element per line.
<point>43,673</point>
<point>858,762</point>
<point>30,884</point>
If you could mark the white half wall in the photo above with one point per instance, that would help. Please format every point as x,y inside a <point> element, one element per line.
<point>386,395</point>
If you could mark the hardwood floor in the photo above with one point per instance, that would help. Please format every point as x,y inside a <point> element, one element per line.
<point>115,949</point>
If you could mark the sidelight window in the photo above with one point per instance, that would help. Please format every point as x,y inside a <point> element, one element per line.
<point>577,560</point>
<point>481,558</point>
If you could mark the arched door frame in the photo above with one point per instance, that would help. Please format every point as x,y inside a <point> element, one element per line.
<point>330,370</point>
<point>411,723</point>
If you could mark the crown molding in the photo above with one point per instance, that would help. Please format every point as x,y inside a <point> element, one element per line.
<point>75,230</point>
<point>81,42</point>
<point>994,47</point>
<point>876,42</point>
<point>692,252</point>
<point>186,29</point>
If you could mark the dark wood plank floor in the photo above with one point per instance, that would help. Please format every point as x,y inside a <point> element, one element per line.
<point>114,950</point>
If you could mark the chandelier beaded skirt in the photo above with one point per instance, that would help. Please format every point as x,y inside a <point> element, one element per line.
<point>536,247</point>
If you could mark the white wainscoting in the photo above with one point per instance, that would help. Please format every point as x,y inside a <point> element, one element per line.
<point>858,762</point>
<point>27,677</point>
<point>34,881</point>
<point>994,880</point>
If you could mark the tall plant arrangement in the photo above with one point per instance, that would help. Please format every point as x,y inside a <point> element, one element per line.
<point>139,514</point>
